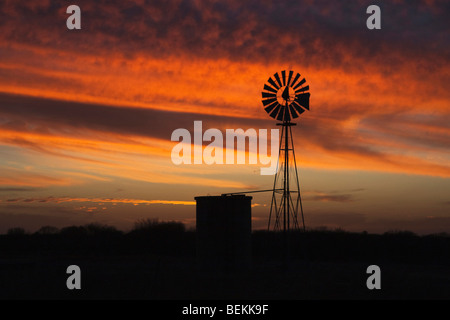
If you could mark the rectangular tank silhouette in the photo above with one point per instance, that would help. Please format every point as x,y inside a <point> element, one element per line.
<point>224,232</point>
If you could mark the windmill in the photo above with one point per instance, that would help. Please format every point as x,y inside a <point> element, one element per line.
<point>285,98</point>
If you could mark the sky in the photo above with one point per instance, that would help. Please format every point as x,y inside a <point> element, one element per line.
<point>86,116</point>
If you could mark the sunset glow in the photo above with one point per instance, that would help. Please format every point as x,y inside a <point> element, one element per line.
<point>86,116</point>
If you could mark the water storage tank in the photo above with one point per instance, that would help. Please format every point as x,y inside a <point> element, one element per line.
<point>224,231</point>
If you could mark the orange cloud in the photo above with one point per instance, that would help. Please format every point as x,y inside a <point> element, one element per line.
<point>102,201</point>
<point>362,88</point>
<point>14,177</point>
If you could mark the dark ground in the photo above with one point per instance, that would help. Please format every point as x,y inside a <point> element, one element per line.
<point>162,266</point>
<point>143,277</point>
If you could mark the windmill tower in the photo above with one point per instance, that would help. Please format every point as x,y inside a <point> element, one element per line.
<point>284,99</point>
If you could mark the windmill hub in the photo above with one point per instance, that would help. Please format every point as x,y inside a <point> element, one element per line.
<point>287,95</point>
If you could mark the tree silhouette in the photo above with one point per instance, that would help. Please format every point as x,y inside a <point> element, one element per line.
<point>17,231</point>
<point>48,230</point>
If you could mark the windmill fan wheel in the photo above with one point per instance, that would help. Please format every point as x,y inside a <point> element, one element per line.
<point>285,97</point>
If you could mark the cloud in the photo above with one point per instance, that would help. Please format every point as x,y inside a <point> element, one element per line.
<point>328,197</point>
<point>334,198</point>
<point>75,117</point>
<point>320,30</point>
<point>18,189</point>
<point>427,130</point>
<point>124,47</point>
<point>10,177</point>
<point>98,133</point>
<point>137,71</point>
<point>100,201</point>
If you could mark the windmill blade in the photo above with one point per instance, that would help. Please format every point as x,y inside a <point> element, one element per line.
<point>269,101</point>
<point>274,113</point>
<point>295,79</point>
<point>293,112</point>
<point>290,77</point>
<point>270,107</point>
<point>303,100</point>
<point>302,89</point>
<point>269,88</point>
<point>273,83</point>
<point>281,114</point>
<point>283,77</point>
<point>268,95</point>
<point>297,107</point>
<point>277,77</point>
<point>299,84</point>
